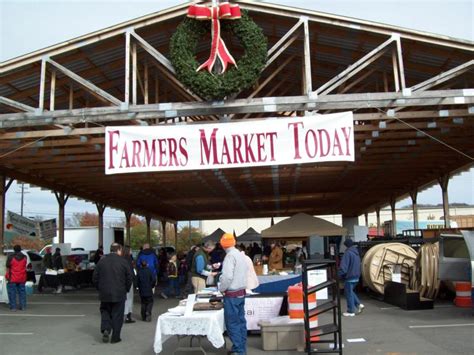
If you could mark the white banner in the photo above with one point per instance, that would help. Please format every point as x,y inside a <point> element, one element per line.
<point>47,229</point>
<point>22,225</point>
<point>261,308</point>
<point>293,140</point>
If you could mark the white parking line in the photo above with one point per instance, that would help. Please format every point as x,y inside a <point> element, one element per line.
<point>17,333</point>
<point>441,325</point>
<point>41,315</point>
<point>64,303</point>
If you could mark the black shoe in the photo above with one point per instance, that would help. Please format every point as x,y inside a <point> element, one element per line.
<point>129,320</point>
<point>148,318</point>
<point>114,341</point>
<point>105,336</point>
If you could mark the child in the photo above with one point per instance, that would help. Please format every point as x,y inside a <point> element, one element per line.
<point>146,282</point>
<point>173,282</point>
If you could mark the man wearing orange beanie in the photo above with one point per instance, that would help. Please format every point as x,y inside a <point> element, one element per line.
<point>233,282</point>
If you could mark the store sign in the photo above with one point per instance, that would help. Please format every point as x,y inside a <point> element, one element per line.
<point>276,141</point>
<point>21,225</point>
<point>316,277</point>
<point>47,229</point>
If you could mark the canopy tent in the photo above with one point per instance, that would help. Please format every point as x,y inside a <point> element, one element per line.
<point>250,235</point>
<point>302,225</point>
<point>214,236</point>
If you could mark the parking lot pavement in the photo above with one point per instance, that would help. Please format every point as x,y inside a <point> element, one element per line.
<point>68,323</point>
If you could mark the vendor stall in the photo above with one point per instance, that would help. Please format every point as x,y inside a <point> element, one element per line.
<point>74,279</point>
<point>214,236</point>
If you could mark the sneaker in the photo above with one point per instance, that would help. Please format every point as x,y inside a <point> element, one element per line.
<point>13,309</point>
<point>129,320</point>
<point>163,295</point>
<point>361,308</point>
<point>105,336</point>
<point>115,341</point>
<point>148,318</point>
<point>347,314</point>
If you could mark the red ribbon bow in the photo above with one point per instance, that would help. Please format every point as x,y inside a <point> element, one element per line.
<point>218,49</point>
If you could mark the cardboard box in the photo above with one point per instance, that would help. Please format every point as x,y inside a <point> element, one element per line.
<point>282,334</point>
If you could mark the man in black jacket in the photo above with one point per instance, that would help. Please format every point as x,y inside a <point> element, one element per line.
<point>113,278</point>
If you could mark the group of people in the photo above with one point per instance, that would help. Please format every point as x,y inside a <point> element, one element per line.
<point>232,271</point>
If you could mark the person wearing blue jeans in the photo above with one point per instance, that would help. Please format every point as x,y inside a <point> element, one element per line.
<point>349,270</point>
<point>235,323</point>
<point>232,283</point>
<point>13,289</point>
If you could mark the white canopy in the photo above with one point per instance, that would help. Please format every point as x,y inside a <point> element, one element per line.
<point>302,225</point>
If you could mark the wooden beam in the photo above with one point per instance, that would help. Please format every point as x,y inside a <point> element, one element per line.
<point>443,77</point>
<point>42,84</point>
<point>285,37</point>
<point>354,68</point>
<point>134,73</point>
<point>16,105</point>
<point>271,59</point>
<point>401,67</point>
<point>95,90</point>
<point>153,52</point>
<point>307,60</point>
<point>127,68</point>
<point>52,96</point>
<point>396,78</point>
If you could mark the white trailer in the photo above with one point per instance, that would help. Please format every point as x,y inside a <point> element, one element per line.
<point>88,238</point>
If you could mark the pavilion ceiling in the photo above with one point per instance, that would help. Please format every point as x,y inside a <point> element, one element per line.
<point>404,140</point>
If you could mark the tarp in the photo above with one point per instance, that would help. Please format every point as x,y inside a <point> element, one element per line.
<point>250,235</point>
<point>214,236</point>
<point>302,225</point>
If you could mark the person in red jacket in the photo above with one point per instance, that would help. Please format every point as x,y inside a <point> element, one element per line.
<point>16,276</point>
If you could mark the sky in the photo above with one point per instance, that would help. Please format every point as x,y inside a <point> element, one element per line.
<point>28,25</point>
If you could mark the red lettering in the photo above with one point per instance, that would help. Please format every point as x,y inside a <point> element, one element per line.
<point>313,144</point>
<point>323,144</point>
<point>162,150</point>
<point>296,138</point>
<point>150,153</point>
<point>112,147</point>
<point>248,148</point>
<point>137,148</point>
<point>209,147</point>
<point>272,135</point>
<point>347,136</point>
<point>237,143</point>
<point>124,156</point>
<point>261,147</point>
<point>173,146</point>
<point>337,144</point>
<point>225,152</point>
<point>183,151</point>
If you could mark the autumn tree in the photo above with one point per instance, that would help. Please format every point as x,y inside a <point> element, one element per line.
<point>187,238</point>
<point>85,219</point>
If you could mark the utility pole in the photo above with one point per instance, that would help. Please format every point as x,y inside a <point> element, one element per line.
<point>22,192</point>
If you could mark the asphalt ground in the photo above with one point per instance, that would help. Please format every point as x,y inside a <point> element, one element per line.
<point>68,323</point>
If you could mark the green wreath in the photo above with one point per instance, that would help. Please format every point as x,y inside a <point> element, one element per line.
<point>217,87</point>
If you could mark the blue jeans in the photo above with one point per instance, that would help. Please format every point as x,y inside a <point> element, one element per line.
<point>173,285</point>
<point>14,288</point>
<point>351,297</point>
<point>235,323</point>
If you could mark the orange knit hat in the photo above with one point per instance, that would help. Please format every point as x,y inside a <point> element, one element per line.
<point>227,240</point>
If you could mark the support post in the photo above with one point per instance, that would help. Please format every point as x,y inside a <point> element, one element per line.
<point>128,237</point>
<point>127,68</point>
<point>42,85</point>
<point>62,198</point>
<point>377,212</point>
<point>443,182</point>
<point>163,226</point>
<point>414,196</point>
<point>176,236</point>
<point>393,202</point>
<point>145,84</point>
<point>395,70</point>
<point>4,186</point>
<point>52,93</point>
<point>134,73</point>
<point>100,209</point>
<point>308,85</point>
<point>366,216</point>
<point>148,229</point>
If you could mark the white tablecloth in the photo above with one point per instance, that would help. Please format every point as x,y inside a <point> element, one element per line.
<point>207,323</point>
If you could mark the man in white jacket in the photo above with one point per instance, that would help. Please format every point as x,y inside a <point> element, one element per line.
<point>233,282</point>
